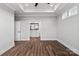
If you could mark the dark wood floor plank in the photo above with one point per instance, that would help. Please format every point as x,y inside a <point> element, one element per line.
<point>39,48</point>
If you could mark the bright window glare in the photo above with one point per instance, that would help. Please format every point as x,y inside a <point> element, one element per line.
<point>73,11</point>
<point>70,12</point>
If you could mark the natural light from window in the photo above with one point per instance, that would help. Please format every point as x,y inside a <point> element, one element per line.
<point>70,12</point>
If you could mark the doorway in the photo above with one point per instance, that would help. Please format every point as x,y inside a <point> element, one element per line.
<point>34,32</point>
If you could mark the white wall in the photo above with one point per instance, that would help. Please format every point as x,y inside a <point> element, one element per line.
<point>48,25</point>
<point>6,29</point>
<point>68,32</point>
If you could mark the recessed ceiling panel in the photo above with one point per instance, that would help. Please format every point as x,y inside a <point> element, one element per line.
<point>39,7</point>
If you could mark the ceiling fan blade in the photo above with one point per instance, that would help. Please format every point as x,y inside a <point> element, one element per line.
<point>36,4</point>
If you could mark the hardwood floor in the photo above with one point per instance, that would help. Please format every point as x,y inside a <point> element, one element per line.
<point>39,48</point>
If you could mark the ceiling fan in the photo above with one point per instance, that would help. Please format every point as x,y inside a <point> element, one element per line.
<point>36,4</point>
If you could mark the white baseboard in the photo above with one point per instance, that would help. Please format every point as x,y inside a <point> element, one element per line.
<point>7,47</point>
<point>49,39</point>
<point>41,39</point>
<point>70,47</point>
<point>22,40</point>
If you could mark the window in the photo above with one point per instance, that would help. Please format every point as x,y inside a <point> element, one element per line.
<point>73,11</point>
<point>64,15</point>
<point>70,12</point>
<point>34,26</point>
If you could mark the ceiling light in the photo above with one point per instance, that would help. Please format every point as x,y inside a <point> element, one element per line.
<point>51,5</point>
<point>26,5</point>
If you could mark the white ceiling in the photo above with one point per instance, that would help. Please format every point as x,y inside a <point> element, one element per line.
<point>42,9</point>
